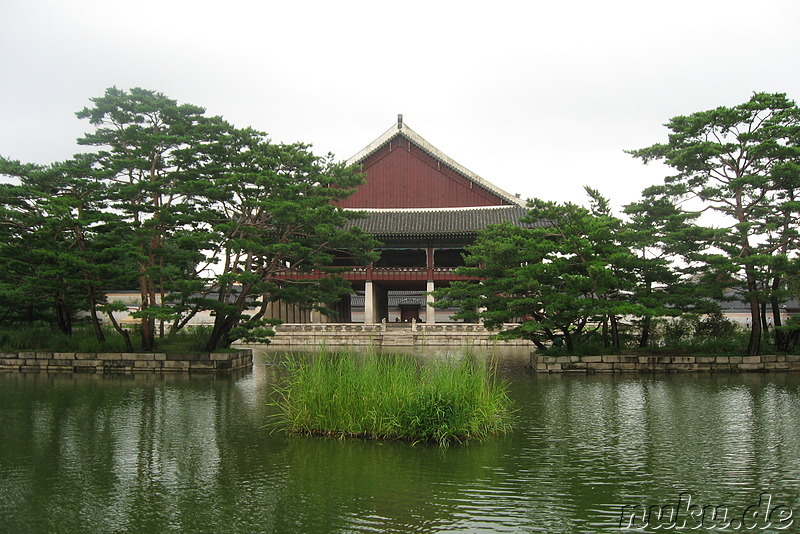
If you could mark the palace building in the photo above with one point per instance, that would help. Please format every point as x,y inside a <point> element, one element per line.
<point>424,208</point>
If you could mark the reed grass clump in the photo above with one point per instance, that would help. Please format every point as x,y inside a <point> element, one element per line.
<point>391,397</point>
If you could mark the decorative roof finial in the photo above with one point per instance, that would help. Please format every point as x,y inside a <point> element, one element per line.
<point>399,121</point>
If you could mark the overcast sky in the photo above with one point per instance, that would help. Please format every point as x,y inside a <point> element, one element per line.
<point>539,98</point>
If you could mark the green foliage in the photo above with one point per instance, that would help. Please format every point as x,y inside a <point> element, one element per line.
<point>715,326</point>
<point>194,213</point>
<point>680,331</point>
<point>391,397</point>
<point>692,334</point>
<point>568,267</point>
<point>45,338</point>
<point>741,162</point>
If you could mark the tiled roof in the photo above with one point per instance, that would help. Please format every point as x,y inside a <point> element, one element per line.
<point>436,221</point>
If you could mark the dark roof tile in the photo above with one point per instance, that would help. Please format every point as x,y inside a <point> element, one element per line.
<point>436,221</point>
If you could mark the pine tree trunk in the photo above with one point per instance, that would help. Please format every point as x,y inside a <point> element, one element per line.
<point>781,339</point>
<point>754,345</point>
<point>644,339</point>
<point>98,328</point>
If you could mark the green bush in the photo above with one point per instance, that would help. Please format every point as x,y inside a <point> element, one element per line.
<point>391,397</point>
<point>46,338</point>
<point>715,326</point>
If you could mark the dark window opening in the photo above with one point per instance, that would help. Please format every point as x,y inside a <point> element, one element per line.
<point>451,257</point>
<point>402,258</point>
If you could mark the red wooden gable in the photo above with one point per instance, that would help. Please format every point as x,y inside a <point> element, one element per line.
<point>400,174</point>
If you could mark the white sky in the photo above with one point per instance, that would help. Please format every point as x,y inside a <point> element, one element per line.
<point>539,98</point>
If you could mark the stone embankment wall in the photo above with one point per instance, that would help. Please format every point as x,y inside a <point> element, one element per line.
<point>644,364</point>
<point>125,362</point>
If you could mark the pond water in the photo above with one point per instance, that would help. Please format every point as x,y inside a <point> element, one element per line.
<point>87,453</point>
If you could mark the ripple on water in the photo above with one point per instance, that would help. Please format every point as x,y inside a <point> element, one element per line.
<point>116,456</point>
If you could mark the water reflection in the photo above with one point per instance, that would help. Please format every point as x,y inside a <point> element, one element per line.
<point>86,453</point>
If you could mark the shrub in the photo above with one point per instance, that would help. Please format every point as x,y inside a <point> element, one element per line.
<point>44,337</point>
<point>391,397</point>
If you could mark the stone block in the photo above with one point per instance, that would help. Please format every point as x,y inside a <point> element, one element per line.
<point>159,356</point>
<point>222,356</point>
<point>85,355</point>
<point>626,366</point>
<point>201,367</point>
<point>611,358</point>
<point>554,367</point>
<point>684,359</point>
<point>175,364</point>
<point>776,366</point>
<point>751,359</point>
<point>706,359</point>
<point>63,355</point>
<point>592,359</point>
<point>769,358</point>
<point>146,364</point>
<point>27,355</point>
<point>601,366</point>
<point>647,360</point>
<point>109,356</point>
<point>59,368</point>
<point>133,356</point>
<point>735,359</point>
<point>751,366</point>
<point>183,357</point>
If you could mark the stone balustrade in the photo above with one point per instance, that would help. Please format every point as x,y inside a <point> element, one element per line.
<point>387,335</point>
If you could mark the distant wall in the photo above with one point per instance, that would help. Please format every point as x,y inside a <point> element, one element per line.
<point>133,362</point>
<point>645,364</point>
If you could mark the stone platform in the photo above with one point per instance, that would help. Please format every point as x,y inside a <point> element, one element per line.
<point>384,335</point>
